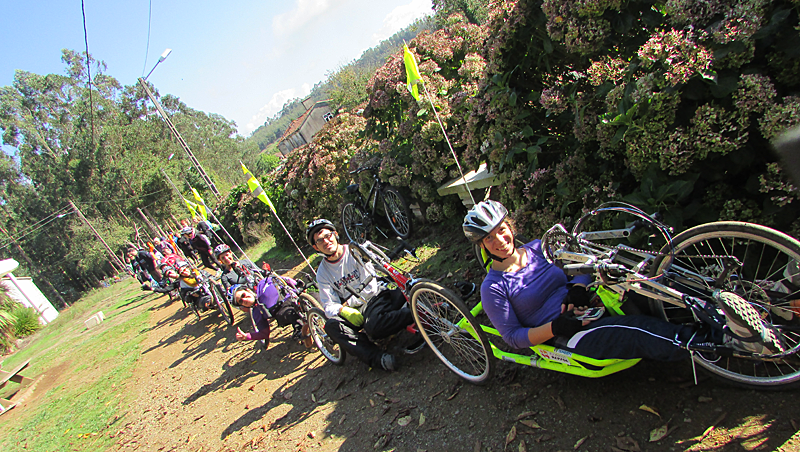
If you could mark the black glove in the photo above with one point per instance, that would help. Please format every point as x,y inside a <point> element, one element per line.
<point>565,325</point>
<point>576,296</point>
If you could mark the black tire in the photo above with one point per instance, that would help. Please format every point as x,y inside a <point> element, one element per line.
<point>332,351</point>
<point>193,306</point>
<point>397,212</point>
<point>438,312</point>
<point>355,223</point>
<point>308,302</point>
<point>764,255</point>
<point>223,305</point>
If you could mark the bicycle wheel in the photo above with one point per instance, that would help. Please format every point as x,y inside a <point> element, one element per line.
<point>354,222</point>
<point>193,306</point>
<point>223,305</point>
<point>307,302</point>
<point>332,351</point>
<point>451,331</point>
<point>397,212</point>
<point>764,273</point>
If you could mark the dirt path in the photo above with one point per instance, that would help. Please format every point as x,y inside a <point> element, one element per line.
<point>200,390</point>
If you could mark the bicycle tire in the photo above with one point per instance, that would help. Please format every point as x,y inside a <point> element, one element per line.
<point>332,351</point>
<point>307,302</point>
<point>764,254</point>
<point>397,212</point>
<point>193,306</point>
<point>354,224</point>
<point>437,313</point>
<point>223,305</point>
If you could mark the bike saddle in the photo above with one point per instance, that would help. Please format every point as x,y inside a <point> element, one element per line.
<point>351,188</point>
<point>466,289</point>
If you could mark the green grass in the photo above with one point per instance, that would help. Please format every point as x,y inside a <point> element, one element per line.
<point>83,411</point>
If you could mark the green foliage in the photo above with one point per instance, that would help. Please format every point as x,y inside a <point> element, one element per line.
<point>26,321</point>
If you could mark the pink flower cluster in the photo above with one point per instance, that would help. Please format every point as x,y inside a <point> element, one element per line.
<point>607,69</point>
<point>681,56</point>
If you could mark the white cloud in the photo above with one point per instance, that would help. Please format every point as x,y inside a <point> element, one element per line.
<point>274,106</point>
<point>401,17</point>
<point>304,11</point>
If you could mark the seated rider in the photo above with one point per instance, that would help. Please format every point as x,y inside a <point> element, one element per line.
<point>170,282</point>
<point>143,261</point>
<point>202,244</point>
<point>236,272</point>
<point>264,302</point>
<point>531,301</point>
<point>190,289</point>
<point>354,321</point>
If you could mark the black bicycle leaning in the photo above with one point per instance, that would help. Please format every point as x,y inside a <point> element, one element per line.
<point>359,216</point>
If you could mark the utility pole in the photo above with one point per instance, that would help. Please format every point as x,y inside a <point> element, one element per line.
<point>147,222</point>
<point>183,144</point>
<point>108,248</point>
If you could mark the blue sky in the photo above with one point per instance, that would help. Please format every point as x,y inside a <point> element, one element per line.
<point>242,59</point>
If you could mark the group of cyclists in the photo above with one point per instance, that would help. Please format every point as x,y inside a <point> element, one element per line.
<point>529,300</point>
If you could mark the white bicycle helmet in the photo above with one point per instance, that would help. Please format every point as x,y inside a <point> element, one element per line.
<point>482,218</point>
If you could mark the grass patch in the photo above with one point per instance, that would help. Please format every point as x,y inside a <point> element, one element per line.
<point>82,411</point>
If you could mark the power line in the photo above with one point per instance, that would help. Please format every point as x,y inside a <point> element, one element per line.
<point>149,21</point>
<point>124,199</point>
<point>17,239</point>
<point>88,71</point>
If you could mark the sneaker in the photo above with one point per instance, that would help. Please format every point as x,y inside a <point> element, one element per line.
<point>388,362</point>
<point>308,341</point>
<point>744,321</point>
<point>416,346</point>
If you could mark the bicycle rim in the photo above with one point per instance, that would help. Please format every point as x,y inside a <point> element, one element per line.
<point>316,326</point>
<point>223,306</point>
<point>761,279</point>
<point>307,301</point>
<point>397,212</point>
<point>451,331</point>
<point>353,222</point>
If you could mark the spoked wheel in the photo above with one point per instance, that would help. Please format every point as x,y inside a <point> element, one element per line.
<point>307,302</point>
<point>196,311</point>
<point>355,223</point>
<point>451,331</point>
<point>223,305</point>
<point>397,212</point>
<point>754,262</point>
<point>316,325</point>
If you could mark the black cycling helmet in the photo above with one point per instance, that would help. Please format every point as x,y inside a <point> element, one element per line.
<point>314,226</point>
<point>221,249</point>
<point>482,218</point>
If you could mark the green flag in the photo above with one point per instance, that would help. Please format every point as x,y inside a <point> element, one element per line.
<point>412,72</point>
<point>255,188</point>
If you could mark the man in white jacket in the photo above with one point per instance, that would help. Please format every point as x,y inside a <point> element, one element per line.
<point>357,307</point>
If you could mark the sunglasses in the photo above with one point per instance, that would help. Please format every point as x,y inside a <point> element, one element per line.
<point>323,238</point>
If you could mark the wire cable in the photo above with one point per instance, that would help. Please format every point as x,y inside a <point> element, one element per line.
<point>88,71</point>
<point>147,49</point>
<point>17,239</point>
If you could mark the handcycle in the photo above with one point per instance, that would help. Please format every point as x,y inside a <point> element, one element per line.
<point>683,282</point>
<point>391,277</point>
<point>207,285</point>
<point>297,297</point>
<point>359,216</point>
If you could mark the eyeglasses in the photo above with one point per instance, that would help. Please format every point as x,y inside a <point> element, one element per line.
<point>323,238</point>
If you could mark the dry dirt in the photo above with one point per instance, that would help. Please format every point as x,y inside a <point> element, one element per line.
<point>198,389</point>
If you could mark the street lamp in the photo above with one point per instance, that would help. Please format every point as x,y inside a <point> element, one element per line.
<point>174,131</point>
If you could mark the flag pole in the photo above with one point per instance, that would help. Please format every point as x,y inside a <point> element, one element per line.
<point>413,72</point>
<point>274,212</point>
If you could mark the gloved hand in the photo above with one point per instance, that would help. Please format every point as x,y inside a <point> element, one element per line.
<point>352,315</point>
<point>576,296</point>
<point>565,325</point>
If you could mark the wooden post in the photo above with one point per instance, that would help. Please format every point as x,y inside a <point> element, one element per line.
<point>108,248</point>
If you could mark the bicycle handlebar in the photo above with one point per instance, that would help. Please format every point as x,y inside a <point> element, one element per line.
<point>585,269</point>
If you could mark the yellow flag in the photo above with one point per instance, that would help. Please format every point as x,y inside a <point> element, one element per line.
<point>412,72</point>
<point>201,204</point>
<point>255,188</point>
<point>192,206</point>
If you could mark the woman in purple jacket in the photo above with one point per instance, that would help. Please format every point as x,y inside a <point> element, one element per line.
<point>531,301</point>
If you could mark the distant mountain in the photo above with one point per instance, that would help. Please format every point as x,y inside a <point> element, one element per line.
<point>369,61</point>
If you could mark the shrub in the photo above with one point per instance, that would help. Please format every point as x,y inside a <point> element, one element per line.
<point>25,321</point>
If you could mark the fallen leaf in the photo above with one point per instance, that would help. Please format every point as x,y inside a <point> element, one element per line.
<point>380,393</point>
<point>421,419</point>
<point>383,441</point>
<point>559,402</point>
<point>526,414</point>
<point>713,426</point>
<point>649,410</point>
<point>403,421</point>
<point>453,395</point>
<point>341,419</point>
<point>659,433</point>
<point>251,388</point>
<point>521,447</point>
<point>512,434</point>
<point>628,443</point>
<point>372,403</point>
<point>530,423</point>
<point>314,398</point>
<point>287,395</point>
<point>312,435</point>
<point>543,438</point>
<point>580,442</point>
<point>703,399</point>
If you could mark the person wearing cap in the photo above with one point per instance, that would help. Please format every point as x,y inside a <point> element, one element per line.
<point>264,302</point>
<point>531,301</point>
<point>354,321</point>
<point>236,272</point>
<point>203,246</point>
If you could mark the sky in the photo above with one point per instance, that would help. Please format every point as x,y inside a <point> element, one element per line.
<point>241,59</point>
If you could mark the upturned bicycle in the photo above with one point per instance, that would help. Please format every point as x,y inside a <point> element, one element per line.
<point>684,282</point>
<point>358,217</point>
